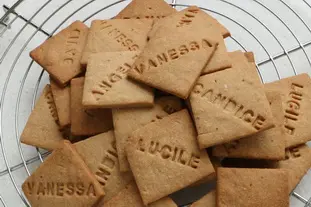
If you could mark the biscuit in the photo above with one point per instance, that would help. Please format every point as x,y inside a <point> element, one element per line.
<point>297,163</point>
<point>189,15</point>
<point>149,9</point>
<point>296,95</point>
<point>130,196</point>
<point>238,58</point>
<point>164,156</point>
<point>100,155</point>
<point>250,56</point>
<point>126,121</point>
<point>60,55</point>
<point>228,100</point>
<point>116,35</point>
<point>203,24</point>
<point>207,200</point>
<point>41,129</point>
<point>62,179</point>
<point>173,63</point>
<point>269,144</point>
<point>242,187</point>
<point>107,86</point>
<point>62,102</point>
<point>86,122</point>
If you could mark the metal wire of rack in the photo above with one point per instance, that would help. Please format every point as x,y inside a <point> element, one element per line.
<point>281,47</point>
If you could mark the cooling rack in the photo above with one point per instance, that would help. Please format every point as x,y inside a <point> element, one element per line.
<point>277,31</point>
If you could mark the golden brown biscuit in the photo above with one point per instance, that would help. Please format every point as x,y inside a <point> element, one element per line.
<point>149,9</point>
<point>269,144</point>
<point>228,100</point>
<point>86,121</point>
<point>126,121</point>
<point>297,163</point>
<point>190,15</point>
<point>202,23</point>
<point>130,196</point>
<point>62,179</point>
<point>60,55</point>
<point>107,86</point>
<point>41,129</point>
<point>62,102</point>
<point>242,187</point>
<point>164,156</point>
<point>100,155</point>
<point>116,35</point>
<point>296,95</point>
<point>172,63</point>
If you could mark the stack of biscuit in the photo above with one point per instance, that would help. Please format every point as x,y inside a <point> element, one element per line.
<point>135,101</point>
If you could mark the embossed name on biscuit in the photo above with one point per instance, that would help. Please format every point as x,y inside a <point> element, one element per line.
<point>168,152</point>
<point>109,80</point>
<point>292,110</point>
<point>119,36</point>
<point>171,55</point>
<point>230,105</point>
<point>146,17</point>
<point>71,46</point>
<point>50,102</point>
<point>61,189</point>
<point>107,165</point>
<point>188,16</point>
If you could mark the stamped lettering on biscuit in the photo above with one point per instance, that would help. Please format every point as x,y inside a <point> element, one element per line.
<point>230,105</point>
<point>292,153</point>
<point>52,107</point>
<point>168,152</point>
<point>107,165</point>
<point>171,55</point>
<point>60,189</point>
<point>188,17</point>
<point>293,105</point>
<point>119,36</point>
<point>70,46</point>
<point>147,17</point>
<point>109,80</point>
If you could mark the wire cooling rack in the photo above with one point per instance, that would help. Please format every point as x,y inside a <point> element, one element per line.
<point>278,31</point>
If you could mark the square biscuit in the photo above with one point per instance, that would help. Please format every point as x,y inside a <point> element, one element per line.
<point>173,63</point>
<point>243,187</point>
<point>228,100</point>
<point>200,22</point>
<point>146,9</point>
<point>41,129</point>
<point>85,122</point>
<point>107,86</point>
<point>116,35</point>
<point>127,120</point>
<point>296,97</point>
<point>62,179</point>
<point>100,155</point>
<point>268,145</point>
<point>164,156</point>
<point>60,55</point>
